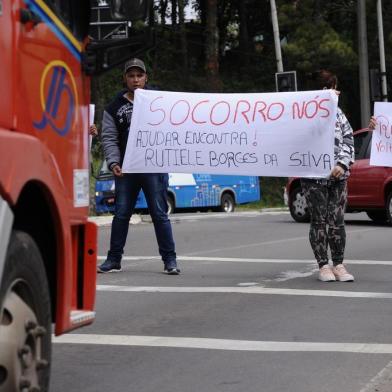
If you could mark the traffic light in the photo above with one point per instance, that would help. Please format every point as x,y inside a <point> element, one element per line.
<point>125,10</point>
<point>375,84</point>
<point>286,81</point>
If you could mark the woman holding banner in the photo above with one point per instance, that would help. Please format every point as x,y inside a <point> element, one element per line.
<point>327,198</point>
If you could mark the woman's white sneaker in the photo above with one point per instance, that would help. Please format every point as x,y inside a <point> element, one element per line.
<point>326,274</point>
<point>341,274</point>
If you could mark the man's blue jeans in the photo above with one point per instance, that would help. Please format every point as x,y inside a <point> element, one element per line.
<point>127,189</point>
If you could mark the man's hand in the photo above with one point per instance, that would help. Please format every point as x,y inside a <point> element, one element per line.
<point>116,169</point>
<point>372,123</point>
<point>337,172</point>
<point>93,131</point>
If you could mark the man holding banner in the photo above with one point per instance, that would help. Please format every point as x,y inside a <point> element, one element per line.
<point>292,134</point>
<point>327,198</point>
<point>115,130</point>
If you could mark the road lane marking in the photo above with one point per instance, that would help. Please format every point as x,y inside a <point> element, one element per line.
<point>274,242</point>
<point>249,260</point>
<point>222,344</point>
<point>243,290</point>
<point>284,276</point>
<point>219,215</point>
<point>135,258</point>
<point>382,382</point>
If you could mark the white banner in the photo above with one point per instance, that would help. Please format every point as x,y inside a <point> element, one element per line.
<point>272,134</point>
<point>91,115</point>
<point>381,152</point>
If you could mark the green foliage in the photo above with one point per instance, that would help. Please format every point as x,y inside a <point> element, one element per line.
<point>272,190</point>
<point>318,34</point>
<point>325,49</point>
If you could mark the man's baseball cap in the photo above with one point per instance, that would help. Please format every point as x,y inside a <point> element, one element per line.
<point>134,63</point>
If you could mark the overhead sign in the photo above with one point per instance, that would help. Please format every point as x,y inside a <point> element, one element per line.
<point>381,153</point>
<point>272,134</point>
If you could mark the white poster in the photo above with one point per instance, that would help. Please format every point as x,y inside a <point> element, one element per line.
<point>381,153</point>
<point>181,179</point>
<point>272,134</point>
<point>91,122</point>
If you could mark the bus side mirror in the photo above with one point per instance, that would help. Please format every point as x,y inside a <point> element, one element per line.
<point>129,10</point>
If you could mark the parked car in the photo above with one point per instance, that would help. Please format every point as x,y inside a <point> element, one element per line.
<point>369,187</point>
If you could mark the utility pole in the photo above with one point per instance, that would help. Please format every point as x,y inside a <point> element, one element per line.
<point>275,25</point>
<point>363,63</point>
<point>383,70</point>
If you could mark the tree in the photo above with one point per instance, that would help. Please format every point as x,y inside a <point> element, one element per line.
<point>183,38</point>
<point>174,12</point>
<point>212,47</point>
<point>162,11</point>
<point>243,31</point>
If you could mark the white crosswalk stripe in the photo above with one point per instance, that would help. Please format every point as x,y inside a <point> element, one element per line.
<point>222,344</point>
<point>250,260</point>
<point>249,288</point>
<point>243,290</point>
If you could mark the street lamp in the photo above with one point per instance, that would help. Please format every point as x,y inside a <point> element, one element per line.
<point>275,25</point>
<point>383,73</point>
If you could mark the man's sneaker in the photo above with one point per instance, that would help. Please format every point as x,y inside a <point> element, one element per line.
<point>172,271</point>
<point>109,266</point>
<point>171,268</point>
<point>326,274</point>
<point>341,274</point>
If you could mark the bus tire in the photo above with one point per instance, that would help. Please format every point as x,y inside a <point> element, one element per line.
<point>227,203</point>
<point>170,205</point>
<point>25,318</point>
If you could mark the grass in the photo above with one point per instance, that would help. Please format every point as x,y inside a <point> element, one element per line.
<point>258,205</point>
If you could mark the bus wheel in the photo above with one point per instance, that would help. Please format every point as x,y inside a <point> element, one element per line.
<point>170,205</point>
<point>25,318</point>
<point>227,203</point>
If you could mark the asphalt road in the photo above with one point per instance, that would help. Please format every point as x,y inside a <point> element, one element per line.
<point>246,314</point>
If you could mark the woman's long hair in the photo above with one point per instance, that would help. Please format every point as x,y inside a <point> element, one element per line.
<point>321,79</point>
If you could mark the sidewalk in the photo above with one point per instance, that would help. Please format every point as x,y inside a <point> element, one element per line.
<point>138,218</point>
<point>106,220</point>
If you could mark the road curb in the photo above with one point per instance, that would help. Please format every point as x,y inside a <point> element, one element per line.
<point>106,220</point>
